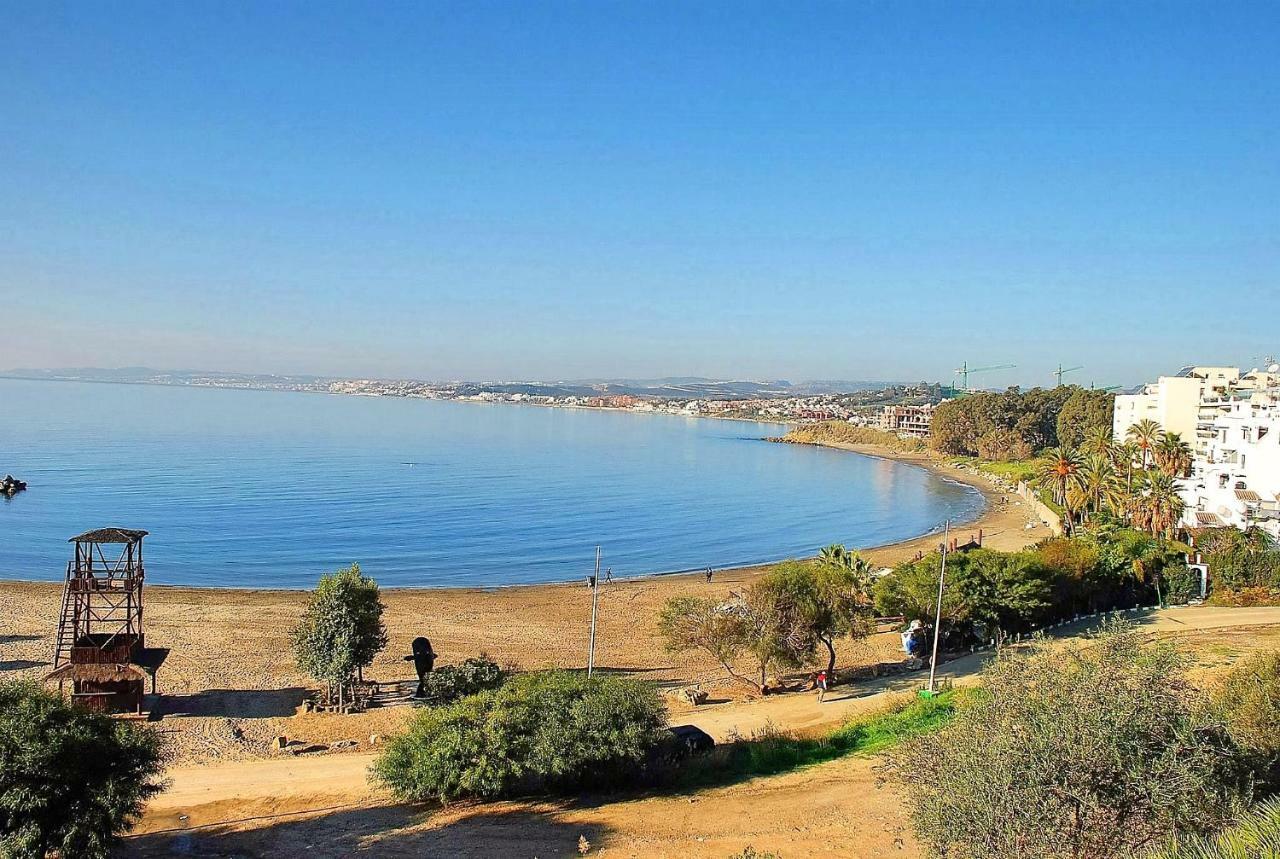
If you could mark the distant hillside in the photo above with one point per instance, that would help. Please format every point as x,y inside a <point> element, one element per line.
<point>674,387</point>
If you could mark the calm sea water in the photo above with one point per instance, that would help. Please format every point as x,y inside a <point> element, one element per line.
<point>267,489</point>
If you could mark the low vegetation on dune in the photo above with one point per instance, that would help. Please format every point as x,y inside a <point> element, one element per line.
<point>842,432</point>
<point>451,682</point>
<point>1097,751</point>
<point>1256,835</point>
<point>1248,699</point>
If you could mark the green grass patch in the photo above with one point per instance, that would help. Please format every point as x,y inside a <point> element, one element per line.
<point>772,752</point>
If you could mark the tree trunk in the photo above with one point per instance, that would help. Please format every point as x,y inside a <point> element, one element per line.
<point>831,656</point>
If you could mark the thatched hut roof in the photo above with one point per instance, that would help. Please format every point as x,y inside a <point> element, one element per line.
<point>97,672</point>
<point>109,535</point>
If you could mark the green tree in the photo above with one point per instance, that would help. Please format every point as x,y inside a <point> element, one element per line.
<point>1172,455</point>
<point>1005,592</point>
<point>1158,506</point>
<point>1089,753</point>
<point>726,632</point>
<point>341,630</point>
<point>1145,435</point>
<point>911,590</point>
<point>1097,486</point>
<point>1084,415</point>
<point>72,782</point>
<point>807,604</point>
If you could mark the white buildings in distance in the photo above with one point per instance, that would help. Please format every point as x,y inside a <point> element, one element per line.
<point>1231,419</point>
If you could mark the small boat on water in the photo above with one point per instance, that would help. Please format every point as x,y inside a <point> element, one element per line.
<point>11,485</point>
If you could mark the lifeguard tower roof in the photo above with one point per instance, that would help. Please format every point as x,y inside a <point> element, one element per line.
<point>109,535</point>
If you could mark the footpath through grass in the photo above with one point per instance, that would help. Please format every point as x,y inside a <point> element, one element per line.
<point>772,752</point>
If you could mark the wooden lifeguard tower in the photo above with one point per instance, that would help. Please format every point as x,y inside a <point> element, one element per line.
<point>101,648</point>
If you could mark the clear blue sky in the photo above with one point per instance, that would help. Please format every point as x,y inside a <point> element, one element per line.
<point>553,190</point>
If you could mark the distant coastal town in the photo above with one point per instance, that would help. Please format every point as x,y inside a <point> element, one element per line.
<point>859,402</point>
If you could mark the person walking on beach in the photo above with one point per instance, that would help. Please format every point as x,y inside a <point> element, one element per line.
<point>608,575</point>
<point>708,575</point>
<point>822,683</point>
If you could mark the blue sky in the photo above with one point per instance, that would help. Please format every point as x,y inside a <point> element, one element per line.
<point>555,190</point>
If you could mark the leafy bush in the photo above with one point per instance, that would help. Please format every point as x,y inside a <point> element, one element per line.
<point>1240,560</point>
<point>1181,583</point>
<point>1243,597</point>
<point>451,682</point>
<point>552,731</point>
<point>1093,752</point>
<point>1249,700</point>
<point>71,781</point>
<point>1256,835</point>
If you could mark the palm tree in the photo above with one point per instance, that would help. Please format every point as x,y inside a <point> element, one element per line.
<point>1158,507</point>
<point>1125,454</point>
<point>1060,474</point>
<point>1145,434</point>
<point>1173,455</point>
<point>1099,441</point>
<point>1098,482</point>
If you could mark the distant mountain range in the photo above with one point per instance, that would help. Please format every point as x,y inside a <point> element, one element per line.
<point>673,387</point>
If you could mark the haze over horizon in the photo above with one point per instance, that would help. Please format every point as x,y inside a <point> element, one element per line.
<point>503,191</point>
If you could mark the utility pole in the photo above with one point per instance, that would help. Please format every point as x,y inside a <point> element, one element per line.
<point>937,618</point>
<point>595,600</point>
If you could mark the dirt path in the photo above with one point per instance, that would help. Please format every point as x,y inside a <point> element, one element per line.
<point>259,807</point>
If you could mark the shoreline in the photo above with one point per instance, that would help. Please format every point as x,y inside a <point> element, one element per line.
<point>231,685</point>
<point>992,520</point>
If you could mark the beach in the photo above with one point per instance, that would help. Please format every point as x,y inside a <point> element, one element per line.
<point>230,684</point>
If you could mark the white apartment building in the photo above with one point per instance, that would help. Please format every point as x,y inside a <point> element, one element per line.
<point>1237,480</point>
<point>1187,403</point>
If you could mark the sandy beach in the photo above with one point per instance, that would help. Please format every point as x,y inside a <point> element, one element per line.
<point>230,684</point>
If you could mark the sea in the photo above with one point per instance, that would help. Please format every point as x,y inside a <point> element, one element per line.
<point>271,489</point>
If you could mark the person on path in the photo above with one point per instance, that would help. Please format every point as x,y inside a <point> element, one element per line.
<point>822,682</point>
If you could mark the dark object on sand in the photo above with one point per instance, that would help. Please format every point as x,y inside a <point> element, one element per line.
<point>423,659</point>
<point>11,485</point>
<point>691,740</point>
